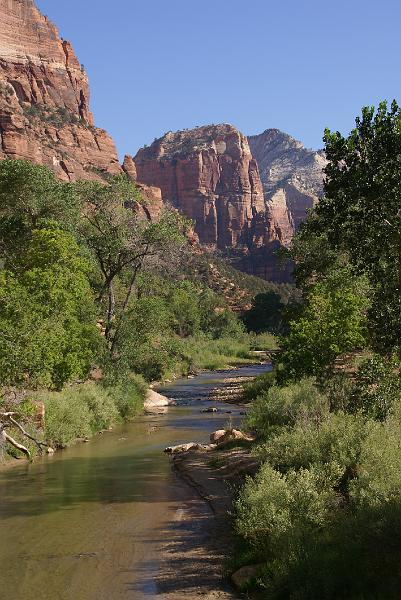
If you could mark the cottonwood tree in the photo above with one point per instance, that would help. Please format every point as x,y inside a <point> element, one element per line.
<point>359,218</point>
<point>123,242</point>
<point>29,195</point>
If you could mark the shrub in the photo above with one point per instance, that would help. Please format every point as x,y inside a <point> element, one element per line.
<point>378,478</point>
<point>355,558</point>
<point>202,352</point>
<point>258,386</point>
<point>263,341</point>
<point>275,511</point>
<point>128,396</point>
<point>77,412</point>
<point>103,412</point>
<point>377,387</point>
<point>334,446</point>
<point>284,406</point>
<point>339,389</point>
<point>67,418</point>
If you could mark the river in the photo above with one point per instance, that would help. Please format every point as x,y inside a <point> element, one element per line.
<point>96,520</point>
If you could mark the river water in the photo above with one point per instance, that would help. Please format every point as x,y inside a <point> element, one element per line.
<point>89,522</point>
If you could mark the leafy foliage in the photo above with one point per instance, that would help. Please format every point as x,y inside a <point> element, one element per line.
<point>266,314</point>
<point>359,216</point>
<point>282,407</point>
<point>46,313</point>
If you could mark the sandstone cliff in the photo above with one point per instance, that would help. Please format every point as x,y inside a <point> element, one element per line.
<point>292,178</point>
<point>209,174</point>
<point>44,99</point>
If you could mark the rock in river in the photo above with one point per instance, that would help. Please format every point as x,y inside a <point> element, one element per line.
<point>155,400</point>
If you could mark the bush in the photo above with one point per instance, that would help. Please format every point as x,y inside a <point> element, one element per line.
<point>356,557</point>
<point>284,406</point>
<point>324,511</point>
<point>263,341</point>
<point>77,412</point>
<point>202,352</point>
<point>128,396</point>
<point>334,446</point>
<point>377,387</point>
<point>67,418</point>
<point>103,412</point>
<point>275,511</point>
<point>378,479</point>
<point>258,386</point>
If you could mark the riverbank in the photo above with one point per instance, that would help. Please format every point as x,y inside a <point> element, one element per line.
<point>216,474</point>
<point>132,527</point>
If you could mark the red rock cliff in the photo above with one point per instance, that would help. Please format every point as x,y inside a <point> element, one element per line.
<point>210,176</point>
<point>44,99</point>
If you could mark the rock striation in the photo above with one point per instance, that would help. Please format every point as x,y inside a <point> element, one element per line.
<point>209,174</point>
<point>44,99</point>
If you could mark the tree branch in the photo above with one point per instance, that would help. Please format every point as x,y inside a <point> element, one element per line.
<point>7,420</point>
<point>39,444</point>
<point>17,445</point>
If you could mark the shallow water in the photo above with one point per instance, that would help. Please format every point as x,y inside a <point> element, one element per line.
<point>88,522</point>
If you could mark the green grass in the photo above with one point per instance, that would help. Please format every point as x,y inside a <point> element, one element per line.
<point>263,341</point>
<point>204,353</point>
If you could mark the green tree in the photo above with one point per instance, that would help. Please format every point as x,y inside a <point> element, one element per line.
<point>184,304</point>
<point>47,313</point>
<point>333,322</point>
<point>30,194</point>
<point>359,216</point>
<point>265,314</point>
<point>123,242</point>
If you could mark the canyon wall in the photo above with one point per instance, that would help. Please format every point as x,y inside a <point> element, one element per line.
<point>246,196</point>
<point>44,99</point>
<point>292,178</point>
<point>209,174</point>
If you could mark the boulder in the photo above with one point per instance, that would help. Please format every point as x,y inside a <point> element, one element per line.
<point>190,446</point>
<point>223,436</point>
<point>216,436</point>
<point>155,400</point>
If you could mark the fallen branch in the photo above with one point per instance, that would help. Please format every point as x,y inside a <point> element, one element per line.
<point>39,444</point>
<point>7,420</point>
<point>17,445</point>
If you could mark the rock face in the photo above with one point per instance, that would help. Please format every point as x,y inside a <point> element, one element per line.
<point>44,99</point>
<point>247,198</point>
<point>292,178</point>
<point>210,175</point>
<point>152,196</point>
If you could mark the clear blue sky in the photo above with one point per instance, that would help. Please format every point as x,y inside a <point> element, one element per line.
<point>298,65</point>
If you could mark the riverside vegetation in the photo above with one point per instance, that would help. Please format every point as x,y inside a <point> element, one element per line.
<point>96,301</point>
<point>322,517</point>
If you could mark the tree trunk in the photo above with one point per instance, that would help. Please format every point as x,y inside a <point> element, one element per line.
<point>110,311</point>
